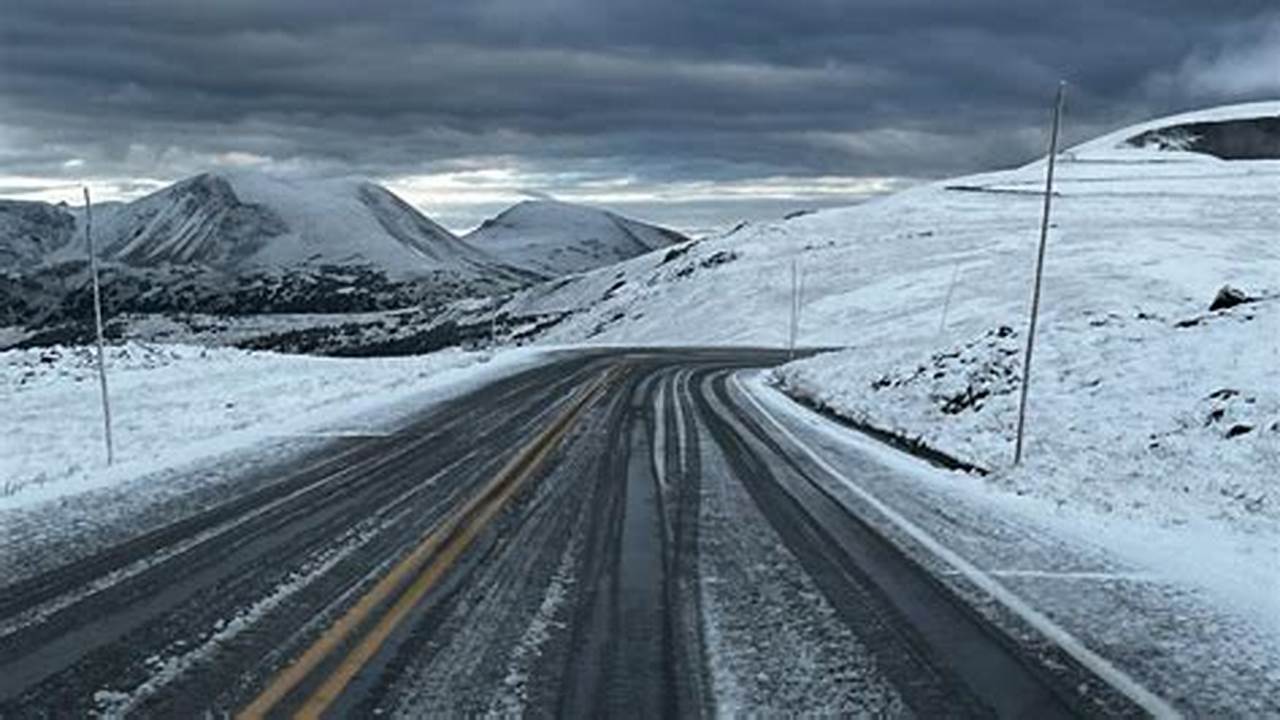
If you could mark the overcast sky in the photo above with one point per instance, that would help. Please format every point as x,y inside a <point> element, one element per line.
<point>690,112</point>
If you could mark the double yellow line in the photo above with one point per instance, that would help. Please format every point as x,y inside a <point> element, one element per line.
<point>428,562</point>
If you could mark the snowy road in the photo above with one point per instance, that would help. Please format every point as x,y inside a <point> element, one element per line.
<point>615,533</point>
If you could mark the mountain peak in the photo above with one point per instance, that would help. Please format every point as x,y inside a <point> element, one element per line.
<point>554,238</point>
<point>250,219</point>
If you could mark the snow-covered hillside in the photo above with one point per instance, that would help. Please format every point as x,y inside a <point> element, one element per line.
<point>556,238</point>
<point>1129,413</point>
<point>1133,229</point>
<point>1133,363</point>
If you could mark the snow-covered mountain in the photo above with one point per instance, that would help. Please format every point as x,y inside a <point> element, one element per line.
<point>239,243</point>
<point>556,238</point>
<point>249,221</point>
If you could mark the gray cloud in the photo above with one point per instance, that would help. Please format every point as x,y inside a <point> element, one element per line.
<point>661,91</point>
<point>1246,63</point>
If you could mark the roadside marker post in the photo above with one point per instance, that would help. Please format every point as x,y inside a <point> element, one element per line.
<point>799,300</point>
<point>794,332</point>
<point>1035,295</point>
<point>97,317</point>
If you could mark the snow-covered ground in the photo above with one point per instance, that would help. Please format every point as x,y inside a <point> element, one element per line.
<point>1127,414</point>
<point>1134,230</point>
<point>174,405</point>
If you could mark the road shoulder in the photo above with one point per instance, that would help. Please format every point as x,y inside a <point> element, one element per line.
<point>1163,626</point>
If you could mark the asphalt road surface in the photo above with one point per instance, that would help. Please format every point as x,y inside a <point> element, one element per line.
<point>619,533</point>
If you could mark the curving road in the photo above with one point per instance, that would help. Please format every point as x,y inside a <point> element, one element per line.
<point>623,533</point>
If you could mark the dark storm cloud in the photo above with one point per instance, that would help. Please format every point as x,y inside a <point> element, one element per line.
<point>659,90</point>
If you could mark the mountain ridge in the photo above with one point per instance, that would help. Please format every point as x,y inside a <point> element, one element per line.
<point>239,243</point>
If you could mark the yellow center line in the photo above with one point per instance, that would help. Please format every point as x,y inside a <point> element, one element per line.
<point>442,548</point>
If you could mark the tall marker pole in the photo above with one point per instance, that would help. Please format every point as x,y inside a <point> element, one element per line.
<point>795,308</point>
<point>97,316</point>
<point>799,300</point>
<point>1035,296</point>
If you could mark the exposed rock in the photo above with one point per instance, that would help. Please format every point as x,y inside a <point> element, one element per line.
<point>1238,430</point>
<point>1229,297</point>
<point>1238,139</point>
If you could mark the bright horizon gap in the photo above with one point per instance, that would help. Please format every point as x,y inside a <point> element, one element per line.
<point>462,200</point>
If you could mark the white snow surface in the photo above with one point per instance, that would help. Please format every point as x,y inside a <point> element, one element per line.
<point>176,405</point>
<point>1125,415</point>
<point>556,238</point>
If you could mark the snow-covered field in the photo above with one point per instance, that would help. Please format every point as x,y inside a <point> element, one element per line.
<point>174,405</point>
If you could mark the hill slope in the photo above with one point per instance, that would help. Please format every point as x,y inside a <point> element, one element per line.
<point>555,238</point>
<point>1133,227</point>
